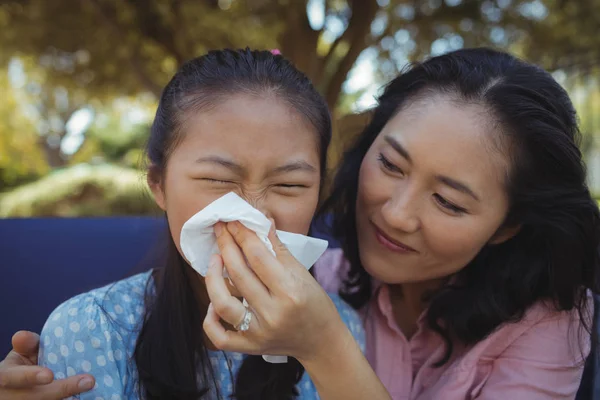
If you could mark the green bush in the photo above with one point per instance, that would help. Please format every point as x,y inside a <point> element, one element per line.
<point>82,191</point>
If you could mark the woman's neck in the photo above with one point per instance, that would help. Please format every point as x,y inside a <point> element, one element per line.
<point>408,303</point>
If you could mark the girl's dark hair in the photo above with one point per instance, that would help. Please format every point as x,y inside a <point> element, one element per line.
<point>554,256</point>
<point>170,354</point>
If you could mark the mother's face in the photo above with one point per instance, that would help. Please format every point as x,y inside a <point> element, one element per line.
<point>431,192</point>
<point>258,148</point>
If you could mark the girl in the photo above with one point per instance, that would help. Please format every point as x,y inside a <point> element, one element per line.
<point>241,121</point>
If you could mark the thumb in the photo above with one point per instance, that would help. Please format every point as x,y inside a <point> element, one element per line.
<point>26,344</point>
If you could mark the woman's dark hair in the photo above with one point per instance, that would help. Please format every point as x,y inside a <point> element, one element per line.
<point>170,354</point>
<point>554,256</point>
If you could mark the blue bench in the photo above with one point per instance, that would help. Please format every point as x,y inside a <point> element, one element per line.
<point>43,262</point>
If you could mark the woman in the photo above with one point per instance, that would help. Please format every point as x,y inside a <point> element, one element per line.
<point>142,337</point>
<point>469,244</point>
<point>469,241</point>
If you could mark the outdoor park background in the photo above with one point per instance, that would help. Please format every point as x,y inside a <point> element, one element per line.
<point>81,78</point>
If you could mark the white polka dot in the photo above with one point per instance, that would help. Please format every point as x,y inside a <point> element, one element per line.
<point>116,397</point>
<point>70,371</point>
<point>89,309</point>
<point>91,325</point>
<point>118,355</point>
<point>101,361</point>
<point>60,375</point>
<point>52,358</point>
<point>72,312</point>
<point>64,350</point>
<point>139,309</point>
<point>46,340</point>
<point>99,398</point>
<point>74,326</point>
<point>95,342</point>
<point>89,299</point>
<point>79,346</point>
<point>107,335</point>
<point>108,381</point>
<point>112,315</point>
<point>58,331</point>
<point>56,317</point>
<point>119,337</point>
<point>110,356</point>
<point>118,309</point>
<point>86,366</point>
<point>137,290</point>
<point>126,298</point>
<point>131,319</point>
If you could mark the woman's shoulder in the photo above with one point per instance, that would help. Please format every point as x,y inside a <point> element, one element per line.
<point>331,269</point>
<point>543,333</point>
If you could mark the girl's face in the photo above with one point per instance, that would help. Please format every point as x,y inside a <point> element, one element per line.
<point>431,192</point>
<point>259,148</point>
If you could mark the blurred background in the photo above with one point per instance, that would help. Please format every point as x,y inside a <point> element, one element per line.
<point>81,78</point>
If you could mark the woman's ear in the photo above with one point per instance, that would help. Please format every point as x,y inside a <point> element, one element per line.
<point>156,184</point>
<point>505,233</point>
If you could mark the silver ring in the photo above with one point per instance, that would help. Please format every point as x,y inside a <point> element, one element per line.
<point>246,319</point>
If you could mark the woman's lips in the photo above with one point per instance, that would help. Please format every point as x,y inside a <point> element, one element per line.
<point>390,243</point>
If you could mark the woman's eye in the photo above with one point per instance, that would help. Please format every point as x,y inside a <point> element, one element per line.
<point>449,206</point>
<point>387,164</point>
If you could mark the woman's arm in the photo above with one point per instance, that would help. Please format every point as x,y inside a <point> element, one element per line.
<point>292,315</point>
<point>342,372</point>
<point>22,379</point>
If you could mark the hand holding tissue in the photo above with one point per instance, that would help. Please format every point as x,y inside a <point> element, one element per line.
<point>198,241</point>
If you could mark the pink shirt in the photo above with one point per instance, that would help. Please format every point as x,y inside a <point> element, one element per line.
<point>539,357</point>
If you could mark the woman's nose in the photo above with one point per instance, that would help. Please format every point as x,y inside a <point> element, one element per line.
<point>401,212</point>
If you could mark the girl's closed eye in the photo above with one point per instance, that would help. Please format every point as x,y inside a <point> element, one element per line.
<point>217,181</point>
<point>291,185</point>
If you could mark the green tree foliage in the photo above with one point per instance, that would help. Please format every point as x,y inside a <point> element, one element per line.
<point>129,46</point>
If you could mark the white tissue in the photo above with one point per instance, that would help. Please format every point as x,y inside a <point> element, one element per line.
<point>198,241</point>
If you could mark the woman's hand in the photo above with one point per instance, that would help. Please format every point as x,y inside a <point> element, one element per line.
<point>292,314</point>
<point>21,378</point>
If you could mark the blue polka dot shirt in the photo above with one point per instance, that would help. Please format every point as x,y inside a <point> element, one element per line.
<point>96,333</point>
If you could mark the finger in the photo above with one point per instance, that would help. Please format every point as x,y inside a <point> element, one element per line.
<point>24,376</point>
<point>26,344</point>
<point>244,279</point>
<point>226,340</point>
<point>230,309</point>
<point>263,263</point>
<point>64,388</point>
<point>281,251</point>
